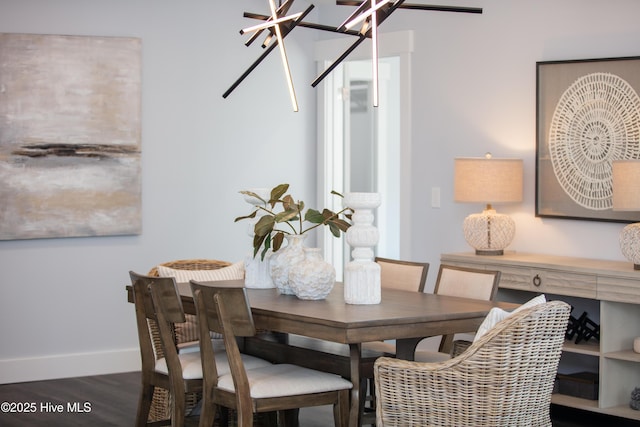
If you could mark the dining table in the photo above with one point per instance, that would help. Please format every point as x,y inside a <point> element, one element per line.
<point>404,316</point>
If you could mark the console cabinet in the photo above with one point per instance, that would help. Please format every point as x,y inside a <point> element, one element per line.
<point>613,287</point>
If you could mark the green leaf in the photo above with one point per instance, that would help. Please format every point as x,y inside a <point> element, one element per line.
<point>288,203</point>
<point>327,214</point>
<point>253,214</point>
<point>257,242</point>
<point>336,193</point>
<point>252,194</point>
<point>334,229</point>
<point>277,240</point>
<point>267,245</point>
<point>313,216</point>
<point>287,215</point>
<point>277,193</point>
<point>264,225</point>
<point>341,224</point>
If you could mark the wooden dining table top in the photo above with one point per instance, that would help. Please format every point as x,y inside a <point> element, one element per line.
<point>400,314</point>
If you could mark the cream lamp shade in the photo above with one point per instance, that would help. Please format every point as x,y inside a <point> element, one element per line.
<point>488,180</point>
<point>626,197</point>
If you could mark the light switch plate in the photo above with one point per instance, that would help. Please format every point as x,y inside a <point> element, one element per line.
<point>435,197</point>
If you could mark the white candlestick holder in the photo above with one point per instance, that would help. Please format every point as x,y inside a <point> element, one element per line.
<point>362,275</point>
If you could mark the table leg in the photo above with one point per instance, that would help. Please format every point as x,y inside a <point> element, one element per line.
<point>355,355</point>
<point>406,348</point>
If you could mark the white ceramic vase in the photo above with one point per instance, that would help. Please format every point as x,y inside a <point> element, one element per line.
<point>313,277</point>
<point>257,273</point>
<point>284,259</point>
<point>362,275</point>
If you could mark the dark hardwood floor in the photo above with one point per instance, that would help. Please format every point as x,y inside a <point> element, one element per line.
<point>110,400</point>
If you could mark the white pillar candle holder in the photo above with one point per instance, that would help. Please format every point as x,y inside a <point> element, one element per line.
<point>362,275</point>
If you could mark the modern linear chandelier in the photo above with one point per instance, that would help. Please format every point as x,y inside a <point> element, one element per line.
<point>362,23</point>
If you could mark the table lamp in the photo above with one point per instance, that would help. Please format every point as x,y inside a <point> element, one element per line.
<point>488,180</point>
<point>626,197</point>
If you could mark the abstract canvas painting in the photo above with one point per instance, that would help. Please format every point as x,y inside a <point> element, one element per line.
<point>70,110</point>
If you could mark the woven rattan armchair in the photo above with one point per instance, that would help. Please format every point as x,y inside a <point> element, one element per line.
<point>505,378</point>
<point>160,406</point>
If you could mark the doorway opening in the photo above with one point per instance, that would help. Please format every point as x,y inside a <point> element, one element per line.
<point>363,148</point>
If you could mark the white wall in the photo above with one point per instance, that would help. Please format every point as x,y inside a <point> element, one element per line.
<point>473,91</point>
<point>63,310</point>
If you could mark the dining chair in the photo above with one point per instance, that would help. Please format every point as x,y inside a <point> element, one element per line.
<point>505,378</point>
<point>459,282</point>
<point>186,334</point>
<point>394,274</point>
<point>280,387</point>
<point>175,373</point>
<point>403,275</point>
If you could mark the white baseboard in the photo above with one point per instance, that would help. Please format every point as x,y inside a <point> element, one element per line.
<point>69,365</point>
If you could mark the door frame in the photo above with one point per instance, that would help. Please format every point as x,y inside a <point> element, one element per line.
<point>398,44</point>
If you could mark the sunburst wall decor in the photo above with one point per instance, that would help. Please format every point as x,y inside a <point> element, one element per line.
<point>588,116</point>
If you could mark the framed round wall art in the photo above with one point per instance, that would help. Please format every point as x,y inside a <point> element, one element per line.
<point>588,115</point>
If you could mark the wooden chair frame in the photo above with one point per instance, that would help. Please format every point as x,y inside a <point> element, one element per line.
<point>166,311</point>
<point>440,289</point>
<point>227,311</point>
<point>160,407</point>
<point>388,282</point>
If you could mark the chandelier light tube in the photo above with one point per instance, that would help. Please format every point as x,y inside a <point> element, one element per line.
<point>283,56</point>
<point>270,23</point>
<point>374,52</point>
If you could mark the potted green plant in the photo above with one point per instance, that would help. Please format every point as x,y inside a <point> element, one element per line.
<point>292,219</point>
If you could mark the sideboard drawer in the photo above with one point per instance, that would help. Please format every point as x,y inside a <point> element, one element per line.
<point>617,289</point>
<point>514,277</point>
<point>564,283</point>
<point>548,281</point>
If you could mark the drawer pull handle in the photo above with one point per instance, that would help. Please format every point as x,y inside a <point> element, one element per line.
<point>537,281</point>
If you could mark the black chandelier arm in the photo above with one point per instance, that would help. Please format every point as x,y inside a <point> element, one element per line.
<point>327,28</point>
<point>382,15</point>
<point>305,24</point>
<point>290,25</point>
<point>436,8</point>
<point>361,9</point>
<point>250,69</point>
<point>362,5</point>
<point>282,10</point>
<point>431,7</point>
<point>335,63</point>
<point>285,31</point>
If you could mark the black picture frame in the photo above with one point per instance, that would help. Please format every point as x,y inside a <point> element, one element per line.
<point>587,115</point>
